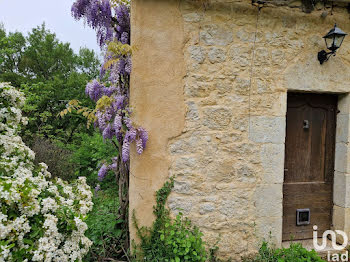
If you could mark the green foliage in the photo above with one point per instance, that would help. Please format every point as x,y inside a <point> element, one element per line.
<point>103,227</point>
<point>120,2</point>
<point>87,155</point>
<point>11,50</point>
<point>295,253</point>
<point>55,157</point>
<point>116,50</point>
<point>172,240</point>
<point>50,74</point>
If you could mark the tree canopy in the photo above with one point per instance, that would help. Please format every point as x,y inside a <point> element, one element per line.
<point>50,74</point>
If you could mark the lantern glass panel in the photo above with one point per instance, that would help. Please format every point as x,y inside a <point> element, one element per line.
<point>329,42</point>
<point>338,40</point>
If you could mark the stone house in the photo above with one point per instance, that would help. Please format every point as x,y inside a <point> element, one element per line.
<point>241,111</point>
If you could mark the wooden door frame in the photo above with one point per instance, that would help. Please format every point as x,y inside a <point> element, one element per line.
<point>304,106</point>
<point>269,193</point>
<point>341,183</point>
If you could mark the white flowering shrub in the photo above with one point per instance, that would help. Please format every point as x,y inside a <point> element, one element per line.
<point>40,219</point>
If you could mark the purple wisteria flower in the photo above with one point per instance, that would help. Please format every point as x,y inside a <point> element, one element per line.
<point>127,121</point>
<point>98,15</point>
<point>79,8</point>
<point>102,172</point>
<point>125,150</point>
<point>97,188</point>
<point>108,91</point>
<point>124,38</point>
<point>143,134</point>
<point>128,65</point>
<point>112,24</point>
<point>117,123</point>
<point>121,66</point>
<point>94,90</point>
<point>108,132</point>
<point>118,102</point>
<point>130,135</point>
<point>113,166</point>
<point>139,146</point>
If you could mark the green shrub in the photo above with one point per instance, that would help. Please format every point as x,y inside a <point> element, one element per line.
<point>55,156</point>
<point>88,153</point>
<point>172,240</point>
<point>295,253</point>
<point>104,228</point>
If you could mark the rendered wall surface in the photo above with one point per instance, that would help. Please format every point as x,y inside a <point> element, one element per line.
<point>157,97</point>
<point>210,84</point>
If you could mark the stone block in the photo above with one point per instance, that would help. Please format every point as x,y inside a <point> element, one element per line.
<point>180,204</point>
<point>206,208</point>
<point>272,161</point>
<point>341,189</point>
<point>182,187</point>
<point>192,17</point>
<point>268,200</point>
<point>262,56</point>
<point>236,204</point>
<point>196,53</point>
<point>216,55</point>
<point>344,104</point>
<point>192,111</point>
<point>184,166</point>
<point>266,129</point>
<point>240,123</point>
<point>248,37</point>
<point>215,34</point>
<point>342,159</point>
<point>246,174</point>
<point>217,117</point>
<point>189,143</point>
<point>272,104</point>
<point>242,86</point>
<point>341,220</point>
<point>269,229</point>
<point>197,89</point>
<point>219,170</point>
<point>278,57</point>
<point>343,128</point>
<point>224,87</point>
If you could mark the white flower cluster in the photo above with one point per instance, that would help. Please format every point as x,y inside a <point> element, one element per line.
<point>40,219</point>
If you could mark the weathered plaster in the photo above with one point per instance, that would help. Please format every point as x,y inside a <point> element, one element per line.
<point>218,121</point>
<point>156,96</point>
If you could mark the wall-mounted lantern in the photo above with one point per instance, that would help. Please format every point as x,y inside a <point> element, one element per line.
<point>333,40</point>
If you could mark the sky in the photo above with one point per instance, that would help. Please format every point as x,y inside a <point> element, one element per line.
<point>23,15</point>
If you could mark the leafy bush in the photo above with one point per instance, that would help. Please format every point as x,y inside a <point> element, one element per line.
<point>88,154</point>
<point>172,240</point>
<point>295,253</point>
<point>54,156</point>
<point>104,228</point>
<point>40,219</point>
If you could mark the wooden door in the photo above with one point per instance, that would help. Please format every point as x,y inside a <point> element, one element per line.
<point>309,164</point>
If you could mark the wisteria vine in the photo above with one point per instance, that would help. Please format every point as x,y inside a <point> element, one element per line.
<point>111,20</point>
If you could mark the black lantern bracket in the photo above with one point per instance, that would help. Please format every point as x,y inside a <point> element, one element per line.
<point>333,39</point>
<point>323,56</point>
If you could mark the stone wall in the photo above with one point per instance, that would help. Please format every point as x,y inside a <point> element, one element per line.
<point>224,140</point>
